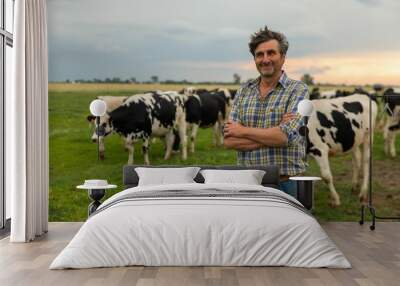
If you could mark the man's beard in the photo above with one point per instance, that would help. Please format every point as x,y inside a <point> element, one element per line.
<point>269,73</point>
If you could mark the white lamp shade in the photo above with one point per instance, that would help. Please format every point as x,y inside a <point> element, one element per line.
<point>98,107</point>
<point>305,107</point>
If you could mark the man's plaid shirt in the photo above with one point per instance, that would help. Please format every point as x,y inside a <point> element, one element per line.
<point>252,111</point>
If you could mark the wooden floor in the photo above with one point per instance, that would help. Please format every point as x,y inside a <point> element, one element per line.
<point>374,255</point>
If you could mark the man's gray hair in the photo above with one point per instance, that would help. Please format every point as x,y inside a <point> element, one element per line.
<point>265,35</point>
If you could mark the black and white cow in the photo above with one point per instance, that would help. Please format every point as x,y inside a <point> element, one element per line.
<point>153,114</point>
<point>391,99</point>
<point>341,125</point>
<point>317,94</point>
<point>328,94</point>
<point>207,109</point>
<point>112,102</point>
<point>233,93</point>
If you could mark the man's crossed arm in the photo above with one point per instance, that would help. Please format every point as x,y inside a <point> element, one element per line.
<point>239,137</point>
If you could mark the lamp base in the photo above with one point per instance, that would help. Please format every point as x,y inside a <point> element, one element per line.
<point>96,195</point>
<point>305,193</point>
<point>305,190</point>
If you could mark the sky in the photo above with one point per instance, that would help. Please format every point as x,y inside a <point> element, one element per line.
<point>336,41</point>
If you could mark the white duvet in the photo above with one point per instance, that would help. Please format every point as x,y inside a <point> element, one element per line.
<point>200,231</point>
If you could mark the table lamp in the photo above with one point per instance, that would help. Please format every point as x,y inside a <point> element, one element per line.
<point>98,108</point>
<point>305,109</point>
<point>305,184</point>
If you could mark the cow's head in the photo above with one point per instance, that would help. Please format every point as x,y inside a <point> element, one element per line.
<point>227,95</point>
<point>343,93</point>
<point>315,94</point>
<point>378,87</point>
<point>233,93</point>
<point>388,91</point>
<point>360,90</point>
<point>103,129</point>
<point>189,90</point>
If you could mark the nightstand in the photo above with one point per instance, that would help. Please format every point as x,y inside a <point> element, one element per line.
<point>96,190</point>
<point>305,190</point>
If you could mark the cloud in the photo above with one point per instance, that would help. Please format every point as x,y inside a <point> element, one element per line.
<point>369,2</point>
<point>311,69</point>
<point>125,38</point>
<point>349,68</point>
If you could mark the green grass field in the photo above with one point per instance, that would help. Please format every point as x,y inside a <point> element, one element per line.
<point>73,158</point>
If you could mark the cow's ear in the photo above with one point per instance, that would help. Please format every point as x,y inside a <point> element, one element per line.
<point>91,118</point>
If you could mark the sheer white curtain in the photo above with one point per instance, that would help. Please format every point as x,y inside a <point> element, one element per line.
<point>27,124</point>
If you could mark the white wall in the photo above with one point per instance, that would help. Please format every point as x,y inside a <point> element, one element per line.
<point>9,66</point>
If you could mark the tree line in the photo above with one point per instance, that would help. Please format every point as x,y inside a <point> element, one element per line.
<point>153,79</point>
<point>306,78</point>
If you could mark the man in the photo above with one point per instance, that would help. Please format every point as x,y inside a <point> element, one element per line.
<point>263,124</point>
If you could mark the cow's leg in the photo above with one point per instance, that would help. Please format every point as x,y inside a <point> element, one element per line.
<point>391,138</point>
<point>145,150</point>
<point>220,136</point>
<point>220,130</point>
<point>385,124</point>
<point>99,140</point>
<point>386,143</point>
<point>182,133</point>
<point>169,143</point>
<point>129,146</point>
<point>216,133</point>
<point>389,144</point>
<point>390,135</point>
<point>193,135</point>
<point>386,136</point>
<point>365,166</point>
<point>356,160</point>
<point>214,138</point>
<point>326,174</point>
<point>177,142</point>
<point>189,130</point>
<point>101,147</point>
<point>382,123</point>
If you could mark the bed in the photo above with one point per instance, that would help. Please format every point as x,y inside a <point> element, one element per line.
<point>201,224</point>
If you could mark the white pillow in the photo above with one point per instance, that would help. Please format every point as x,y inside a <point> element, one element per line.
<point>165,176</point>
<point>249,177</point>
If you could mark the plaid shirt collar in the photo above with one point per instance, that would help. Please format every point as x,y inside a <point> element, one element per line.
<point>283,81</point>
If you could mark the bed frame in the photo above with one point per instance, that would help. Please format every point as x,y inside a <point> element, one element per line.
<point>270,179</point>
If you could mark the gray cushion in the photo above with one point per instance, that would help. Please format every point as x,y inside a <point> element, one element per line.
<point>270,179</point>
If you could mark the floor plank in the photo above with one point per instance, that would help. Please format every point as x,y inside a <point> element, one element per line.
<point>374,255</point>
